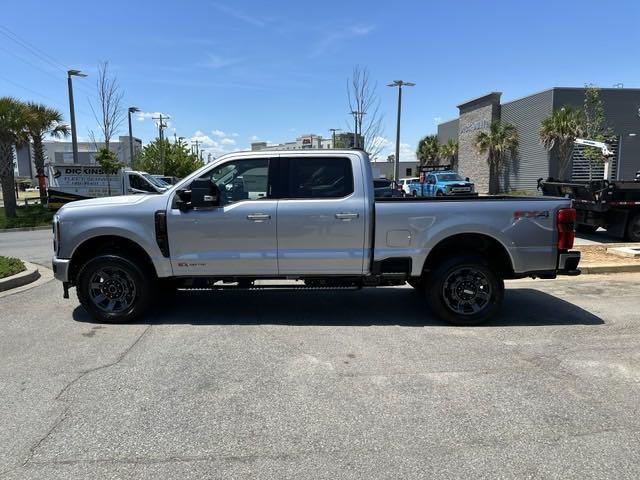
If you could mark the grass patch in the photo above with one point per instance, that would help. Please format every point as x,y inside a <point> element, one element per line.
<point>32,216</point>
<point>10,266</point>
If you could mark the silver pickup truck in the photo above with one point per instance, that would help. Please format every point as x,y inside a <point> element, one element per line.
<point>310,216</point>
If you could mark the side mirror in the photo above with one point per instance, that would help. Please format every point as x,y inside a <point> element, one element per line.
<point>204,193</point>
<point>466,179</point>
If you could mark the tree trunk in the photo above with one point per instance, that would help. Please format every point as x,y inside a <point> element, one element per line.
<point>7,180</point>
<point>494,180</point>
<point>38,160</point>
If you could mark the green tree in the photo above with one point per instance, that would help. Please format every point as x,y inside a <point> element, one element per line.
<point>502,138</point>
<point>179,161</point>
<point>449,151</point>
<point>560,129</point>
<point>43,121</point>
<point>109,163</point>
<point>594,126</point>
<point>13,132</point>
<point>428,150</point>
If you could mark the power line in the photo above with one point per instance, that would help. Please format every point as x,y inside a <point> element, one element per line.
<point>29,46</point>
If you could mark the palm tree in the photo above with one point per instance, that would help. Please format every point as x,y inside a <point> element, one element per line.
<point>502,138</point>
<point>427,151</point>
<point>561,128</point>
<point>13,124</point>
<point>43,121</point>
<point>449,151</point>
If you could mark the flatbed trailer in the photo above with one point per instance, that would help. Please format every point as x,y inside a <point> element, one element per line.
<point>612,205</point>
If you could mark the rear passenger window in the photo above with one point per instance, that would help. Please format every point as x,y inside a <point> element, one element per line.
<point>320,178</point>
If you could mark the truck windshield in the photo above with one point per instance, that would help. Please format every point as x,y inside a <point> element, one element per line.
<point>450,177</point>
<point>156,181</point>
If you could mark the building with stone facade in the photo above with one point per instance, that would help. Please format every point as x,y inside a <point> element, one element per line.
<point>532,160</point>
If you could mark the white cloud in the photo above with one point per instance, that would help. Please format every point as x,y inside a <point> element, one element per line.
<point>407,152</point>
<point>239,15</point>
<point>254,138</point>
<point>234,134</point>
<point>334,38</point>
<point>228,141</point>
<point>141,116</point>
<point>437,120</point>
<point>218,133</point>
<point>216,61</point>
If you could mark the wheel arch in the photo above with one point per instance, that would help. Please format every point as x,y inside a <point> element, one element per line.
<point>482,244</point>
<point>103,244</point>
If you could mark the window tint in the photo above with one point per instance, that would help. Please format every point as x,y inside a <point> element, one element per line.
<point>320,178</point>
<point>241,180</point>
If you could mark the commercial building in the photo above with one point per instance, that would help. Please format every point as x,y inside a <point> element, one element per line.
<point>385,169</point>
<point>62,152</point>
<point>343,140</point>
<point>532,160</point>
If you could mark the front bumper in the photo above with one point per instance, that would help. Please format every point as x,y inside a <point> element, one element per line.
<point>61,268</point>
<point>568,263</point>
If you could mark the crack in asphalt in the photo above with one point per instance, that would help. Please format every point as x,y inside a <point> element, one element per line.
<point>65,412</point>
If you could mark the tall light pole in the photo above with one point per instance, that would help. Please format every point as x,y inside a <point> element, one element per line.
<point>333,136</point>
<point>131,110</point>
<point>72,112</point>
<point>396,161</point>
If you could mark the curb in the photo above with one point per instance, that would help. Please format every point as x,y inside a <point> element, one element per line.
<point>31,274</point>
<point>25,229</point>
<point>609,268</point>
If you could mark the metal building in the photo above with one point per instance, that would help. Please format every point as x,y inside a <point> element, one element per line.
<point>532,161</point>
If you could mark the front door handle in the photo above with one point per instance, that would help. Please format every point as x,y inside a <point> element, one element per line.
<point>258,217</point>
<point>347,216</point>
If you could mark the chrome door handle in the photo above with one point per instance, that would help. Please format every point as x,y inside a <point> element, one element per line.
<point>258,217</point>
<point>347,216</point>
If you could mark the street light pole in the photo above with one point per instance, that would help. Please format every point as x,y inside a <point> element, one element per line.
<point>131,110</point>
<point>72,112</point>
<point>396,160</point>
<point>333,136</point>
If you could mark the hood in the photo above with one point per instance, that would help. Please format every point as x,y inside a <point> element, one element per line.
<point>456,183</point>
<point>108,201</point>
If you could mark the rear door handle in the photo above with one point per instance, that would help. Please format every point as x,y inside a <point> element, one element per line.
<point>347,216</point>
<point>258,217</point>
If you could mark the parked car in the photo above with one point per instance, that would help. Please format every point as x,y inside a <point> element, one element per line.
<point>386,188</point>
<point>167,179</point>
<point>405,184</point>
<point>311,216</point>
<point>447,183</point>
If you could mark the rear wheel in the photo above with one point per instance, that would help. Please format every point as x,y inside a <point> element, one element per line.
<point>633,228</point>
<point>439,193</point>
<point>464,291</point>
<point>414,193</point>
<point>113,288</point>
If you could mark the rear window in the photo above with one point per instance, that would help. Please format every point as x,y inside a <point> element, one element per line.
<point>320,178</point>
<point>381,183</point>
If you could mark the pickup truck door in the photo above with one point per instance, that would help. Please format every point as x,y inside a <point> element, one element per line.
<point>321,216</point>
<point>238,237</point>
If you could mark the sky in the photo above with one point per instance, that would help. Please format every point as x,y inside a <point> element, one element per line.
<point>232,72</point>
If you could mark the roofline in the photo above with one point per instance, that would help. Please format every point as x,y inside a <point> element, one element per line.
<point>480,97</point>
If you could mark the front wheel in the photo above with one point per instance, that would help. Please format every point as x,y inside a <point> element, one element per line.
<point>464,291</point>
<point>113,288</point>
<point>633,228</point>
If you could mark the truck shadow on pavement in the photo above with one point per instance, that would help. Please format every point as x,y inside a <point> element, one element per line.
<point>381,306</point>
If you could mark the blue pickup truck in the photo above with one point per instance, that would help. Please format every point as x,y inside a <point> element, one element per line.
<point>442,183</point>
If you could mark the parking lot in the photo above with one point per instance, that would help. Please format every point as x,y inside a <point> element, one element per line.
<point>334,384</point>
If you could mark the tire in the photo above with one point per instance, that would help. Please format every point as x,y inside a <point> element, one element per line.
<point>582,228</point>
<point>633,228</point>
<point>449,285</point>
<point>439,193</point>
<point>417,283</point>
<point>414,193</point>
<point>113,288</point>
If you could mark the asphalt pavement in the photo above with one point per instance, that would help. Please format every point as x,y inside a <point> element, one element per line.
<point>348,384</point>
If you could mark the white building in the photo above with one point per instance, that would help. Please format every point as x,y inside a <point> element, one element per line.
<point>343,140</point>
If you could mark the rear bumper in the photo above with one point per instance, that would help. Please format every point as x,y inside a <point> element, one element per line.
<point>61,268</point>
<point>568,263</point>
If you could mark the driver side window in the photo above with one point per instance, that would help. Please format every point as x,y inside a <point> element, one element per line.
<point>239,180</point>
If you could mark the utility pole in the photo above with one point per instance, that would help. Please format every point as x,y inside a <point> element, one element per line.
<point>72,112</point>
<point>396,161</point>
<point>333,136</point>
<point>197,148</point>
<point>161,127</point>
<point>130,111</point>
